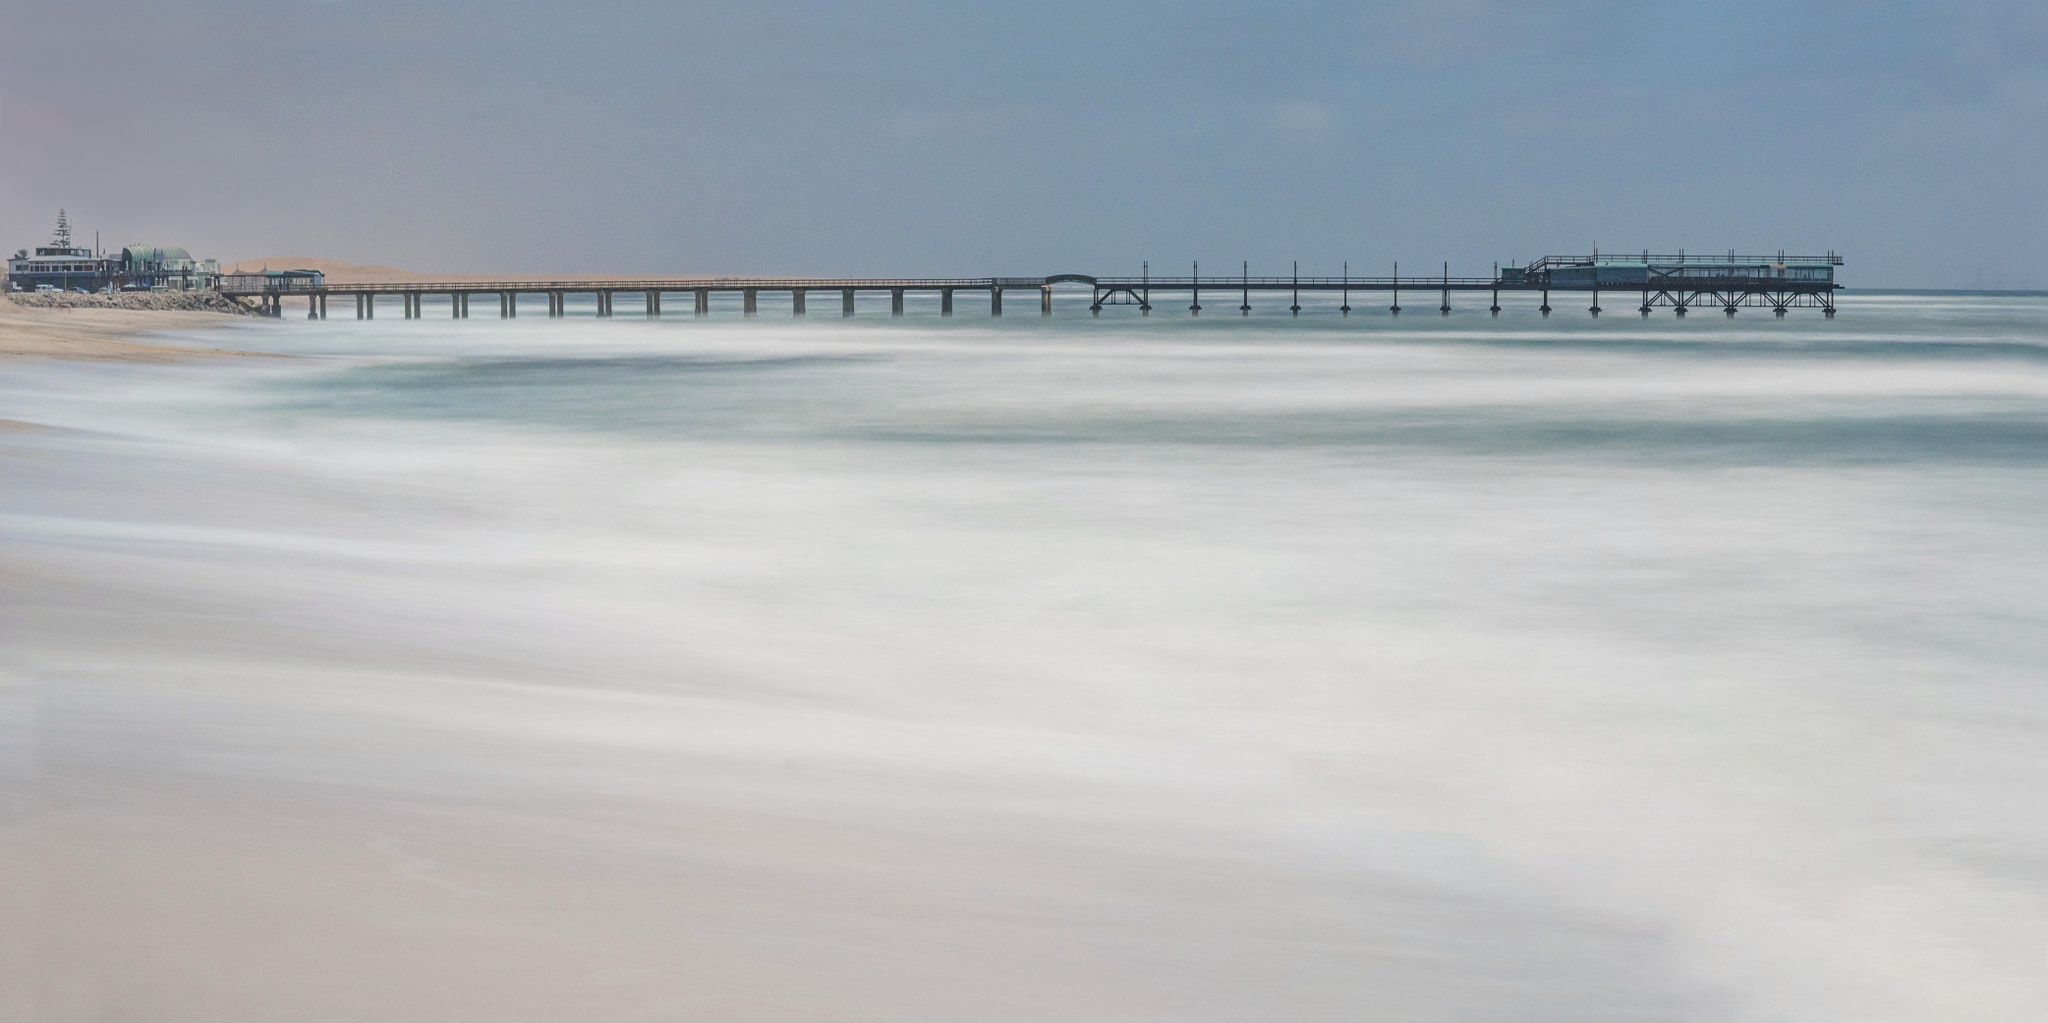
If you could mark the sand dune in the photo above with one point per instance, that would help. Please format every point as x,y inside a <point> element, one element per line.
<point>349,273</point>
<point>337,271</point>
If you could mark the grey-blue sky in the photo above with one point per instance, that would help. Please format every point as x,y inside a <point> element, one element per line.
<point>918,137</point>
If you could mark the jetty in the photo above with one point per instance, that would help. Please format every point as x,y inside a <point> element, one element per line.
<point>1654,281</point>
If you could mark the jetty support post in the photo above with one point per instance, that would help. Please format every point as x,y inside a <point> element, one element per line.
<point>1296,307</point>
<point>653,303</point>
<point>1396,307</point>
<point>1195,291</point>
<point>1445,308</point>
<point>702,306</point>
<point>895,301</point>
<point>796,301</point>
<point>511,305</point>
<point>312,307</point>
<point>995,300</point>
<point>845,302</point>
<point>1045,300</point>
<point>1595,309</point>
<point>1244,304</point>
<point>750,299</point>
<point>945,301</point>
<point>1545,307</point>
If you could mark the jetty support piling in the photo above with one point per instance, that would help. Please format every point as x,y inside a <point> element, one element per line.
<point>750,301</point>
<point>845,302</point>
<point>895,301</point>
<point>945,301</point>
<point>1045,300</point>
<point>653,303</point>
<point>995,300</point>
<point>796,301</point>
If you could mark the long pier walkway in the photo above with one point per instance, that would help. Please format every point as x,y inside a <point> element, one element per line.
<point>1677,282</point>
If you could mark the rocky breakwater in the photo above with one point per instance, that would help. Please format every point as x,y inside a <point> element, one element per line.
<point>165,301</point>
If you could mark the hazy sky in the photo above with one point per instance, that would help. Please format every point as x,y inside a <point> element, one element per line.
<point>972,139</point>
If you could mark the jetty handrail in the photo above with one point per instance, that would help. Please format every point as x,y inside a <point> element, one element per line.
<point>255,287</point>
<point>1420,283</point>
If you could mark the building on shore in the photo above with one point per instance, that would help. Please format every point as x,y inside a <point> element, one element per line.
<point>60,265</point>
<point>147,267</point>
<point>64,266</point>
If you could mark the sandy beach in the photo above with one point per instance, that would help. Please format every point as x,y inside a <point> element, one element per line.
<point>102,335</point>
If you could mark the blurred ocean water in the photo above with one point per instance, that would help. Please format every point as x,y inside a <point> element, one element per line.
<point>1439,668</point>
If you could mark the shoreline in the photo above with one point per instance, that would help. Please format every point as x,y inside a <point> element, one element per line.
<point>105,335</point>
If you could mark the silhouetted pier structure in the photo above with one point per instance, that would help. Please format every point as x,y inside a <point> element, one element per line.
<point>1678,282</point>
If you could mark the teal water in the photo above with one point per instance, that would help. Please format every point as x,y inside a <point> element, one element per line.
<point>1439,668</point>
